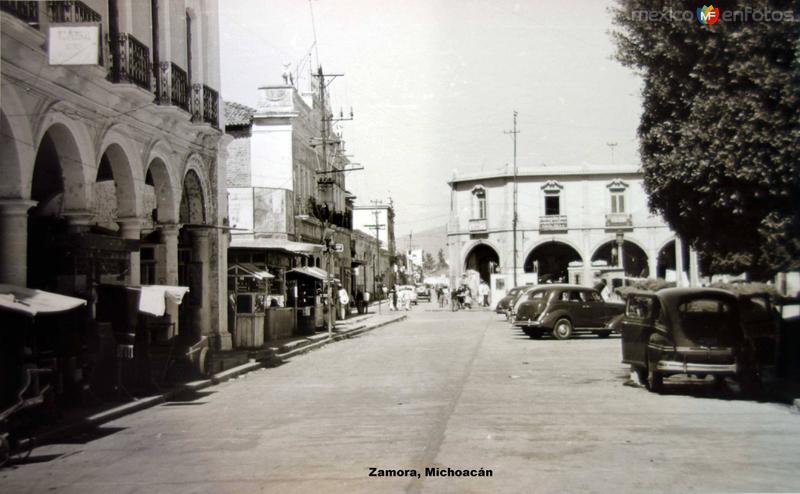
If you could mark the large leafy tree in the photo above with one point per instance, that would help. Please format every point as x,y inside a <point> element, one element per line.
<point>719,133</point>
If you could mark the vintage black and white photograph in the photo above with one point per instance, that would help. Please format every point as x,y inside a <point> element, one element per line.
<point>412,246</point>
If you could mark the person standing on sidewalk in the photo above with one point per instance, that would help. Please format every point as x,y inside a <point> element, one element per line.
<point>483,293</point>
<point>359,301</point>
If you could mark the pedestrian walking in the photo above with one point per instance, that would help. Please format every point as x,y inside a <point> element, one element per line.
<point>483,293</point>
<point>359,301</point>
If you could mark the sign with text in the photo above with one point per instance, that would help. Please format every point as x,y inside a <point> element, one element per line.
<point>76,44</point>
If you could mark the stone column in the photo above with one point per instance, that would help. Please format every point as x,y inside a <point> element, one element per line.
<point>14,241</point>
<point>131,229</point>
<point>169,234</point>
<point>694,270</point>
<point>201,253</point>
<point>679,261</point>
<point>652,264</point>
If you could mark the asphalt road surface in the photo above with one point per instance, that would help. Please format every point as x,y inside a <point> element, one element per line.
<point>439,390</point>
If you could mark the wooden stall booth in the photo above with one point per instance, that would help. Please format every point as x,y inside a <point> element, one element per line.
<point>306,294</point>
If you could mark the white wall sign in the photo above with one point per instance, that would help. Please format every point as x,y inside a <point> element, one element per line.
<point>74,44</point>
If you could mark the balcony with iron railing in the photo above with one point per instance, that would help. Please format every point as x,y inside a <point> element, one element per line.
<point>25,11</point>
<point>130,61</point>
<point>71,11</point>
<point>172,86</point>
<point>619,220</point>
<point>553,223</point>
<point>205,105</point>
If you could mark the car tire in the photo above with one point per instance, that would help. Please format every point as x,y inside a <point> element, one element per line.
<point>604,334</point>
<point>655,380</point>
<point>562,329</point>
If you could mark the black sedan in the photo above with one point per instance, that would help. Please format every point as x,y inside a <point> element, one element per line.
<point>693,331</point>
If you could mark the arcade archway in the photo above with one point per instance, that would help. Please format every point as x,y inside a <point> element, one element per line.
<point>634,259</point>
<point>551,261</point>
<point>483,259</point>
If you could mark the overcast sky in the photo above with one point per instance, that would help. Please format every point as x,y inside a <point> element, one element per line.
<point>433,84</point>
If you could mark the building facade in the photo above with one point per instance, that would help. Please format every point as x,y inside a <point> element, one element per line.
<point>112,169</point>
<point>571,221</point>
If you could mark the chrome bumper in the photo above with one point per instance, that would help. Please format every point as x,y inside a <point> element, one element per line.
<point>689,368</point>
<point>528,323</point>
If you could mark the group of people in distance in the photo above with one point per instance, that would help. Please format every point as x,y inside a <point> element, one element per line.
<point>461,297</point>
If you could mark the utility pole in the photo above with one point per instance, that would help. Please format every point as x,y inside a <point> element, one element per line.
<point>514,218</point>
<point>377,226</point>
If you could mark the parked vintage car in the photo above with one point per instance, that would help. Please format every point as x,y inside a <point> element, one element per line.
<point>564,310</point>
<point>504,305</point>
<point>698,332</point>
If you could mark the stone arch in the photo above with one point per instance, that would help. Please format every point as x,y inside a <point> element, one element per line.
<point>634,256</point>
<point>128,174</point>
<point>16,146</point>
<point>195,167</point>
<point>551,258</point>
<point>193,200</point>
<point>75,158</point>
<point>542,241</point>
<point>482,257</point>
<point>160,167</point>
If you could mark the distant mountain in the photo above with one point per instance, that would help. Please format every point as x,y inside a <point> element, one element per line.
<point>428,240</point>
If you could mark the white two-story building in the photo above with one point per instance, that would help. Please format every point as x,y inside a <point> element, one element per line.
<point>571,222</point>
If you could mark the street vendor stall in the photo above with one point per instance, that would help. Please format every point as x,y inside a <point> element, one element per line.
<point>40,329</point>
<point>258,313</point>
<point>305,293</point>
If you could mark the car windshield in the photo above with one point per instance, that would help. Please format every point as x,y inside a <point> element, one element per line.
<point>537,295</point>
<point>706,317</point>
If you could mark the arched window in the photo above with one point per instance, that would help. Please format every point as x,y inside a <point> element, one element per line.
<point>478,203</point>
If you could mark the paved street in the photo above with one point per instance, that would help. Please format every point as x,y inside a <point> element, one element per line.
<point>440,389</point>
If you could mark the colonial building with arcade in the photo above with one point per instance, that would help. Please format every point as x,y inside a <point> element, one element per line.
<point>112,168</point>
<point>572,223</point>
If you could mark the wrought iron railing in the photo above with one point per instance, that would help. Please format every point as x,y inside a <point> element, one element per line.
<point>133,61</point>
<point>205,105</point>
<point>71,11</point>
<point>172,86</point>
<point>26,11</point>
<point>210,106</point>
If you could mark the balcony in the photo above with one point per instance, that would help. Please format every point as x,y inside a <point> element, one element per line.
<point>618,220</point>
<point>71,11</point>
<point>172,86</point>
<point>205,105</point>
<point>25,11</point>
<point>478,225</point>
<point>130,61</point>
<point>553,223</point>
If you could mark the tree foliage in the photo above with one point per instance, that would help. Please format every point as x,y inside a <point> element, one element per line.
<point>719,133</point>
<point>441,262</point>
<point>428,263</point>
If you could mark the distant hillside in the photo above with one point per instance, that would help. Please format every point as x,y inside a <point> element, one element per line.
<point>428,240</point>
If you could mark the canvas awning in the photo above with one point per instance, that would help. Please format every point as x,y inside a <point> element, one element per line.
<point>252,269</point>
<point>32,302</point>
<point>312,272</point>
<point>276,244</point>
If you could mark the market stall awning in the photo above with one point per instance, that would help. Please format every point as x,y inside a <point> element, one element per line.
<point>32,302</point>
<point>312,272</point>
<point>252,269</point>
<point>276,244</point>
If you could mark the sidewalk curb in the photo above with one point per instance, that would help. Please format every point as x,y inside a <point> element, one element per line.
<point>100,418</point>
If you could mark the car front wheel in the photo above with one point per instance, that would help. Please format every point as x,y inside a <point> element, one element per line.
<point>562,329</point>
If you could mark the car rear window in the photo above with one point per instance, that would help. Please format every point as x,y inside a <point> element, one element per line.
<point>705,316</point>
<point>536,295</point>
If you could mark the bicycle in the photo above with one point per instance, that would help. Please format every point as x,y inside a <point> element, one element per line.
<point>10,444</point>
